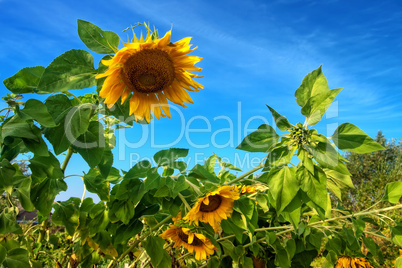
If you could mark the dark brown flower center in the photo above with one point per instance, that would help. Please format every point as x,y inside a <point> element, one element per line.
<point>184,237</point>
<point>148,71</point>
<point>214,203</point>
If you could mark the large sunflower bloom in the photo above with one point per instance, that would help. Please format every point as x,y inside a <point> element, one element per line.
<point>193,242</point>
<point>349,262</point>
<point>153,70</point>
<point>214,207</point>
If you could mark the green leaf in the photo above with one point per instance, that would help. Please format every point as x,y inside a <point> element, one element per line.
<point>292,212</point>
<point>23,193</point>
<point>8,222</point>
<point>284,186</point>
<point>396,234</point>
<point>73,69</point>
<point>67,213</point>
<point>202,173</point>
<point>59,106</point>
<point>131,188</point>
<point>154,248</point>
<point>152,180</point>
<point>47,182</point>
<point>36,110</point>
<point>323,153</point>
<point>139,170</point>
<point>124,210</point>
<point>314,185</point>
<point>46,167</point>
<point>18,128</point>
<point>371,245</point>
<point>7,172</point>
<point>278,157</point>
<point>17,258</point>
<point>351,138</point>
<point>96,183</point>
<point>317,105</point>
<point>38,148</point>
<point>166,157</point>
<point>91,144</point>
<point>3,254</point>
<point>313,83</point>
<point>281,122</point>
<point>261,140</point>
<point>106,162</point>
<point>102,42</point>
<point>25,80</point>
<point>99,218</point>
<point>126,232</point>
<point>393,192</point>
<point>230,228</point>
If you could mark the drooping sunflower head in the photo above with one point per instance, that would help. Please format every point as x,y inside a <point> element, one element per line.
<point>214,207</point>
<point>193,242</point>
<point>150,71</point>
<point>349,262</point>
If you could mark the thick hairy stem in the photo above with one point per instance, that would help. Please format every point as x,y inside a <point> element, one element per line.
<point>67,159</point>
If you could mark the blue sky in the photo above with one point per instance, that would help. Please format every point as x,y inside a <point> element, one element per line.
<point>255,53</point>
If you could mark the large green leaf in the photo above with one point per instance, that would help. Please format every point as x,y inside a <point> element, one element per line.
<point>139,170</point>
<point>103,42</point>
<point>324,153</point>
<point>67,213</point>
<point>154,247</point>
<point>393,192</point>
<point>17,127</point>
<point>17,258</point>
<point>203,174</point>
<point>36,110</point>
<point>47,182</point>
<point>73,69</point>
<point>8,222</point>
<point>125,232</point>
<point>36,147</point>
<point>91,144</point>
<point>317,105</point>
<point>313,84</point>
<point>22,191</point>
<point>281,122</point>
<point>283,186</point>
<point>261,140</point>
<point>59,106</point>
<point>96,183</point>
<point>396,234</point>
<point>7,172</point>
<point>314,185</point>
<point>46,167</point>
<point>166,157</point>
<point>351,138</point>
<point>25,80</point>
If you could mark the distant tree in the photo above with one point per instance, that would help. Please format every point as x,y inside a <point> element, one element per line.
<point>371,172</point>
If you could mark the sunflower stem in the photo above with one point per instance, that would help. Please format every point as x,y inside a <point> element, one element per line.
<point>113,263</point>
<point>260,166</point>
<point>195,187</point>
<point>184,201</point>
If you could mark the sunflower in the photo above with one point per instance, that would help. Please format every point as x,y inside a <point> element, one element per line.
<point>349,262</point>
<point>193,242</point>
<point>153,71</point>
<point>214,206</point>
<point>247,189</point>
